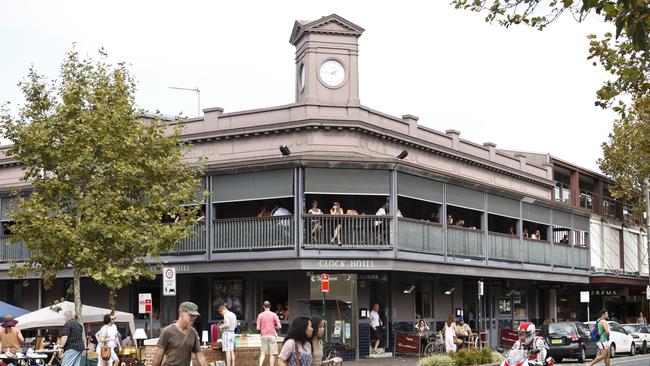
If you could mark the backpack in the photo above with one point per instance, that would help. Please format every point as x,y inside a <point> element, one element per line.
<point>595,336</point>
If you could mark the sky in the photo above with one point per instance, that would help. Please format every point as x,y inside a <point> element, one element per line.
<point>520,88</point>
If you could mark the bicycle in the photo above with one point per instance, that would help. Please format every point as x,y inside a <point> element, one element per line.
<point>334,350</point>
<point>435,345</point>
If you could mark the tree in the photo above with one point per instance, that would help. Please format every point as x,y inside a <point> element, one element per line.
<point>625,54</point>
<point>103,178</point>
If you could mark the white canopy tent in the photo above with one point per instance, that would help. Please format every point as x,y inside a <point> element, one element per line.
<point>48,318</point>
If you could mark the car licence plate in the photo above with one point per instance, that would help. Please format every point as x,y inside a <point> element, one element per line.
<point>556,341</point>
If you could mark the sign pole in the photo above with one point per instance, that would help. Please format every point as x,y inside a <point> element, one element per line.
<point>584,297</point>
<point>324,288</point>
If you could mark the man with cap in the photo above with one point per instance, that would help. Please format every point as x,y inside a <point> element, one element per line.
<point>179,340</point>
<point>267,324</point>
<point>463,331</point>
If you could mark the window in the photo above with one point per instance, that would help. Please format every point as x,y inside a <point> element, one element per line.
<point>229,292</point>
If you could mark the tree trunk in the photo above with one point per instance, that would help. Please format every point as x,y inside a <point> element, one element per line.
<point>112,298</point>
<point>77,295</point>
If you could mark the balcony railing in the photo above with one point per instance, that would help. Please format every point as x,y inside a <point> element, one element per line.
<point>420,236</point>
<point>195,243</point>
<point>347,230</point>
<point>12,252</point>
<point>248,234</point>
<point>505,247</point>
<point>465,242</point>
<point>586,199</point>
<point>253,233</point>
<point>610,207</point>
<point>562,193</point>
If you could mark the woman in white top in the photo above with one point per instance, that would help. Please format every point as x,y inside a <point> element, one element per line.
<point>107,336</point>
<point>316,226</point>
<point>336,210</point>
<point>451,342</point>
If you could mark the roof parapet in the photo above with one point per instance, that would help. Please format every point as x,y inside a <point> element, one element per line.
<point>412,122</point>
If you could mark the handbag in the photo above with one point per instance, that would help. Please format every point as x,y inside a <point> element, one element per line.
<point>105,353</point>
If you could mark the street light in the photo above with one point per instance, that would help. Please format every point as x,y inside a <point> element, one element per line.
<point>402,155</point>
<point>284,149</point>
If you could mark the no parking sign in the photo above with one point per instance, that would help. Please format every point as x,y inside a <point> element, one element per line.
<point>169,281</point>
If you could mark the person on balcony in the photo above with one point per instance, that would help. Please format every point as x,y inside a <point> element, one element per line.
<point>201,217</point>
<point>264,212</point>
<point>278,210</point>
<point>450,220</point>
<point>315,224</point>
<point>511,230</point>
<point>565,239</point>
<point>537,235</point>
<point>336,210</point>
<point>525,233</point>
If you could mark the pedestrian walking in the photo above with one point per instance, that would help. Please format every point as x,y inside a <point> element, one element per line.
<point>375,328</point>
<point>603,340</point>
<point>107,337</point>
<point>296,349</point>
<point>228,334</point>
<point>267,324</point>
<point>179,340</point>
<point>316,341</point>
<point>71,340</point>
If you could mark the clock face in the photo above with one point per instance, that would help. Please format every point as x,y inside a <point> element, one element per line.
<point>302,78</point>
<point>332,73</point>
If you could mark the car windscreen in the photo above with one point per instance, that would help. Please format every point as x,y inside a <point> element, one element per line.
<point>561,329</point>
<point>633,328</point>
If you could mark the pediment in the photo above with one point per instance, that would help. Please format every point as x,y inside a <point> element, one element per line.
<point>332,24</point>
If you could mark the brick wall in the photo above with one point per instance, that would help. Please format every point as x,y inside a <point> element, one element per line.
<point>243,356</point>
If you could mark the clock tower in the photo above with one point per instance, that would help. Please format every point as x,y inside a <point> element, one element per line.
<point>327,70</point>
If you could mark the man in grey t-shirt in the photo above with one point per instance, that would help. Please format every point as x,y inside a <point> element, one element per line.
<point>228,334</point>
<point>179,340</point>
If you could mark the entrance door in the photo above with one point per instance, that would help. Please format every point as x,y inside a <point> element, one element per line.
<point>379,292</point>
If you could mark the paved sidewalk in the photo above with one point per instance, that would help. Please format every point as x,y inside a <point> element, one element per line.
<point>395,360</point>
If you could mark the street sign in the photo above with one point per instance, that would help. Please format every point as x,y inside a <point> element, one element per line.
<point>169,281</point>
<point>144,303</point>
<point>480,288</point>
<point>584,296</point>
<point>324,282</point>
<point>647,292</point>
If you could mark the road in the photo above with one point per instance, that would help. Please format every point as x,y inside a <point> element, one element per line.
<point>638,360</point>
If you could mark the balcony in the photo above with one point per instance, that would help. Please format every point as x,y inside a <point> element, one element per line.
<point>505,247</point>
<point>195,243</point>
<point>420,236</point>
<point>462,242</point>
<point>359,231</point>
<point>253,233</point>
<point>362,232</point>
<point>12,252</point>
<point>586,199</point>
<point>562,193</point>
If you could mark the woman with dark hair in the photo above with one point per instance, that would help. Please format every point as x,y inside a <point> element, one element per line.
<point>296,349</point>
<point>317,343</point>
<point>107,336</point>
